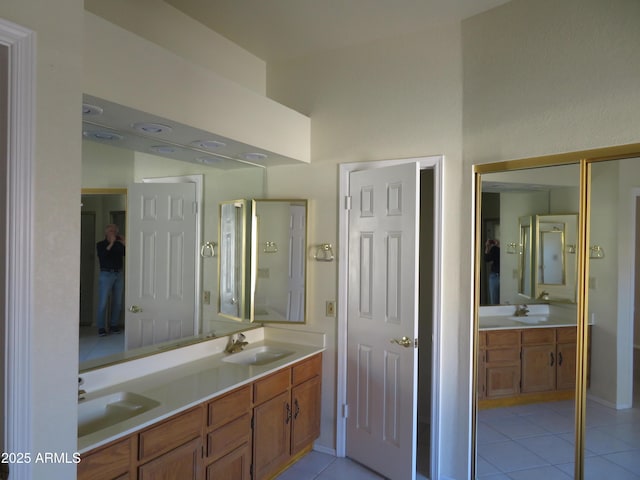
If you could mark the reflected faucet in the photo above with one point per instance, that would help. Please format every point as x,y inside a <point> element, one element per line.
<point>521,311</point>
<point>237,344</point>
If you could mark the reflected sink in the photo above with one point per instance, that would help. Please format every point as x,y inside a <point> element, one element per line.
<point>530,319</point>
<point>108,410</point>
<point>257,355</point>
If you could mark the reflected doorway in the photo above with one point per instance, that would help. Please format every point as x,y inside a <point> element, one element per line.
<point>98,208</point>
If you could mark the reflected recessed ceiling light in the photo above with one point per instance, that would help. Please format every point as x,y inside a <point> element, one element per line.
<point>103,135</point>
<point>209,160</point>
<point>255,156</point>
<point>208,144</point>
<point>165,149</point>
<point>88,109</point>
<point>153,128</point>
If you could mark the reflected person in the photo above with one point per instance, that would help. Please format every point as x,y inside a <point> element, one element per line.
<point>492,255</point>
<point>111,253</point>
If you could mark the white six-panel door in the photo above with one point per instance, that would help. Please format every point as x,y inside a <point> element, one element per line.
<point>381,310</point>
<point>161,245</point>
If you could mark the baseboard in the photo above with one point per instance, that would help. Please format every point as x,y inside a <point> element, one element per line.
<point>324,449</point>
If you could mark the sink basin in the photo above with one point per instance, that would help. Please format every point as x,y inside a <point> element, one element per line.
<point>257,355</point>
<point>530,319</point>
<point>108,410</point>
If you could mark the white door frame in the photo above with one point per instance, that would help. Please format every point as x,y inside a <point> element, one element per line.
<point>21,43</point>
<point>436,164</point>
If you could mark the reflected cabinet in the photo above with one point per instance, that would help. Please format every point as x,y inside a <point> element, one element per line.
<point>554,358</point>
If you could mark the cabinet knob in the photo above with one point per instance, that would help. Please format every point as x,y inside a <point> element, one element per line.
<point>552,360</point>
<point>288,419</point>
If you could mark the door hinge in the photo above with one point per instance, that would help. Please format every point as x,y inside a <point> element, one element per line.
<point>347,202</point>
<point>252,422</point>
<point>415,342</point>
<point>251,470</point>
<point>345,410</point>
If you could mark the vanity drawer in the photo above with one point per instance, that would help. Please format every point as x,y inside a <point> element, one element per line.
<point>170,434</point>
<point>567,334</point>
<point>531,336</point>
<point>503,338</point>
<point>229,407</point>
<point>226,438</point>
<point>503,355</point>
<point>271,386</point>
<point>307,369</point>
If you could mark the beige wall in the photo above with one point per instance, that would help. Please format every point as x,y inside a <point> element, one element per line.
<point>56,195</point>
<point>392,99</point>
<point>164,25</point>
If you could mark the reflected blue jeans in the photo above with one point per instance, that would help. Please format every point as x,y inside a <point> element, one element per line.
<point>494,288</point>
<point>110,283</point>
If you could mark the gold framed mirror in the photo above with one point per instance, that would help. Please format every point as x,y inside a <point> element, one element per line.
<point>590,431</point>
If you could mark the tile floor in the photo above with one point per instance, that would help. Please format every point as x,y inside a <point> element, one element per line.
<point>537,441</point>
<point>528,442</point>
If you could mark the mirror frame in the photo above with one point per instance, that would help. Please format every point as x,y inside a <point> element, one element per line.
<point>242,254</point>
<point>254,256</point>
<point>584,159</point>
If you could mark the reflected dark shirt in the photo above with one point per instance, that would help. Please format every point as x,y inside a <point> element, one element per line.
<point>110,259</point>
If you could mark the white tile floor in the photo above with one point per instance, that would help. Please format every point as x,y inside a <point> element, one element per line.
<point>537,441</point>
<point>529,442</point>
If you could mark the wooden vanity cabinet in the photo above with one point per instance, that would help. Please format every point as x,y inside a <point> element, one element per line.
<point>539,360</point>
<point>228,436</point>
<point>112,461</point>
<point>286,416</point>
<point>566,350</point>
<point>173,448</point>
<point>482,369</point>
<point>521,365</point>
<point>252,432</point>
<point>502,363</point>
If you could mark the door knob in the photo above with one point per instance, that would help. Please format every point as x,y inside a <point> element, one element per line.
<point>403,342</point>
<point>135,309</point>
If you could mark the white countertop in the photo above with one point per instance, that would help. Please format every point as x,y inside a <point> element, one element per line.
<point>182,387</point>
<point>505,322</point>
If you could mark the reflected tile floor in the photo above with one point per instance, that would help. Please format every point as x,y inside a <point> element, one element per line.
<point>92,346</point>
<point>537,441</point>
<point>321,466</point>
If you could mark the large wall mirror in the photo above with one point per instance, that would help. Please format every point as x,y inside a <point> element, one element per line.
<point>124,148</point>
<point>557,373</point>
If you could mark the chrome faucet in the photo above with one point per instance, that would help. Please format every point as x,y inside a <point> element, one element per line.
<point>521,311</point>
<point>237,344</point>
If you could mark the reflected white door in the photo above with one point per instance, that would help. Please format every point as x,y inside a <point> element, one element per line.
<point>382,308</point>
<point>161,246</point>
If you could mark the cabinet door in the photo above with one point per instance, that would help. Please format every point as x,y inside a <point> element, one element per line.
<point>503,380</point>
<point>538,368</point>
<point>236,465</point>
<point>566,371</point>
<point>306,414</point>
<point>271,435</point>
<point>181,463</point>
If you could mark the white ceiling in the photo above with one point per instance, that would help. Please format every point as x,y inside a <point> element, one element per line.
<point>276,30</point>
